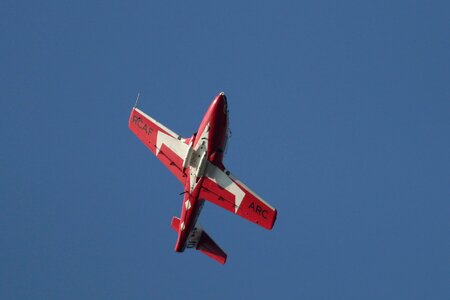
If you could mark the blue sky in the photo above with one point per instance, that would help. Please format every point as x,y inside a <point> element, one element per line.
<point>340,113</point>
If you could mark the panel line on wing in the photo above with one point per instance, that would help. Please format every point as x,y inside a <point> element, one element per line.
<point>168,158</point>
<point>220,197</point>
<point>222,179</point>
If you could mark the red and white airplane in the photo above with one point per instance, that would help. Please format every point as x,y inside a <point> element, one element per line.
<point>197,163</point>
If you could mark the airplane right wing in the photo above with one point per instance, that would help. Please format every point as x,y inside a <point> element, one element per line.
<point>226,191</point>
<point>167,146</point>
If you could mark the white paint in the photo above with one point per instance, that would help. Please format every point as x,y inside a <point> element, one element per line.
<point>188,156</point>
<point>177,146</point>
<point>201,166</point>
<point>222,179</point>
<point>187,204</point>
<point>249,190</point>
<point>198,158</point>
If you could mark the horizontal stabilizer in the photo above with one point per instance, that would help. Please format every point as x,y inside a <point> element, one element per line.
<point>201,241</point>
<point>207,246</point>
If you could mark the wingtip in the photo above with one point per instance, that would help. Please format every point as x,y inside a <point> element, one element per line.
<point>275,213</point>
<point>224,260</point>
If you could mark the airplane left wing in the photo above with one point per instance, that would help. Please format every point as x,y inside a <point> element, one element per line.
<point>167,146</point>
<point>226,191</point>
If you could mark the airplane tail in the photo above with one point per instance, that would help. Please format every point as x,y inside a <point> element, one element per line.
<point>202,242</point>
<point>175,223</point>
<point>207,246</point>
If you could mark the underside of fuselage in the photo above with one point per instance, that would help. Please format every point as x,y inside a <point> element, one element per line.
<point>207,145</point>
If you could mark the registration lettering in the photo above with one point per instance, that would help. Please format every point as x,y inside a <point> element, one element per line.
<point>142,125</point>
<point>258,209</point>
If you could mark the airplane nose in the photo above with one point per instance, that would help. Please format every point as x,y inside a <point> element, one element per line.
<point>222,101</point>
<point>219,105</point>
<point>224,97</point>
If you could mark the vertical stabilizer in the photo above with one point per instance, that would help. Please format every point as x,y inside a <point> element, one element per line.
<point>175,223</point>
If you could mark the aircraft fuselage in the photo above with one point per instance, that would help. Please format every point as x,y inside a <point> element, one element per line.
<point>208,144</point>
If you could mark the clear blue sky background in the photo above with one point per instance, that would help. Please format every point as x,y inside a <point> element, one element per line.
<point>340,113</point>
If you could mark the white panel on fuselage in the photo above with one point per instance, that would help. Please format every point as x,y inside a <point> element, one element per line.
<point>200,151</point>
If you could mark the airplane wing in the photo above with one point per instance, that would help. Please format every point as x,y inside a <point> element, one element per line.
<point>167,146</point>
<point>226,191</point>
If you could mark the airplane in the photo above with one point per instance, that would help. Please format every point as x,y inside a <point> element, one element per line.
<point>197,163</point>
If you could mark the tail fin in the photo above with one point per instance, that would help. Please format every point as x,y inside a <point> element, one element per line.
<point>175,223</point>
<point>202,242</point>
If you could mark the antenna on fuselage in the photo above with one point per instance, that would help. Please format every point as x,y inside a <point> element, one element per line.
<point>137,99</point>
